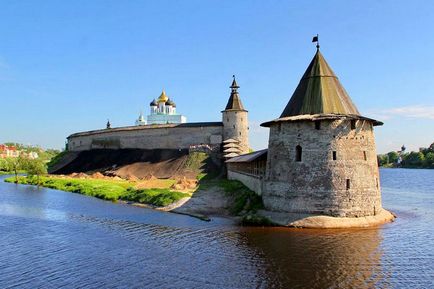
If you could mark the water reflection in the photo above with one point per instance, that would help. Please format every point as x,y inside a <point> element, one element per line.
<point>52,239</point>
<point>317,259</point>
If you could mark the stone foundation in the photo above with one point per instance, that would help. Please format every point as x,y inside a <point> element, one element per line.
<point>326,222</point>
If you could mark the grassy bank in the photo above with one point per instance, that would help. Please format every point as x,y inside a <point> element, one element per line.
<point>111,190</point>
<point>12,173</point>
<point>244,199</point>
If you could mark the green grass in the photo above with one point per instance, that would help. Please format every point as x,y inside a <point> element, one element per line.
<point>157,197</point>
<point>244,198</point>
<point>196,160</point>
<point>111,190</point>
<point>11,173</point>
<point>55,159</point>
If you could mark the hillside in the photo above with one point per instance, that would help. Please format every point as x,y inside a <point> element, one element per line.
<point>139,163</point>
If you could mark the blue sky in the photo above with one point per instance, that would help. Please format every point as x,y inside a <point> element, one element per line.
<point>68,66</point>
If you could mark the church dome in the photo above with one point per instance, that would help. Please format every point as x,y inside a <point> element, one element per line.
<point>163,97</point>
<point>153,103</point>
<point>170,102</point>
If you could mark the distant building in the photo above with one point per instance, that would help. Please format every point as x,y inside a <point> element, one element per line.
<point>8,151</point>
<point>163,111</point>
<point>13,152</point>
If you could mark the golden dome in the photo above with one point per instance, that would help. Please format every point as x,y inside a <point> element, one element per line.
<point>163,97</point>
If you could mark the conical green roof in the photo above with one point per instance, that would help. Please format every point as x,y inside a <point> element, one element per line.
<point>319,92</point>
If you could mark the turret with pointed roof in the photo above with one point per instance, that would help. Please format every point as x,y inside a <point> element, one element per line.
<point>234,102</point>
<point>235,123</point>
<point>321,152</point>
<point>319,92</point>
<point>319,95</point>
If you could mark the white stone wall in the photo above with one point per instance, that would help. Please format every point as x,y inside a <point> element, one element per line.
<point>162,137</point>
<point>252,182</point>
<point>318,184</point>
<point>166,118</point>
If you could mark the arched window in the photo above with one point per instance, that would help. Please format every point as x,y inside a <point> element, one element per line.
<point>298,153</point>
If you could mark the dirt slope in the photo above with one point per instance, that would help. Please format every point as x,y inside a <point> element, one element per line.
<point>160,163</point>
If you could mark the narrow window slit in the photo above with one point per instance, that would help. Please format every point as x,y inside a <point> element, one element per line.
<point>348,184</point>
<point>298,153</point>
<point>317,124</point>
<point>334,155</point>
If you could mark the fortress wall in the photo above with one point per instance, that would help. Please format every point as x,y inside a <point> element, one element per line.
<point>254,183</point>
<point>318,184</point>
<point>163,137</point>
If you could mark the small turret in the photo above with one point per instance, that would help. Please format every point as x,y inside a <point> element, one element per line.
<point>235,122</point>
<point>108,125</point>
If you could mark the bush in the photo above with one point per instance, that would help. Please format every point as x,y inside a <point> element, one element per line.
<point>244,198</point>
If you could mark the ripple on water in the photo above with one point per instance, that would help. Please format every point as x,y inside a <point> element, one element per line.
<point>52,239</point>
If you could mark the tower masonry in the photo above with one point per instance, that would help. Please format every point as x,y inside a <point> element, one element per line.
<point>235,120</point>
<point>321,153</point>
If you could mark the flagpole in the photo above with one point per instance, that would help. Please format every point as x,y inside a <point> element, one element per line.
<point>317,41</point>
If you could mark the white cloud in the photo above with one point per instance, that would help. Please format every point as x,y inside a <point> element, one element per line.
<point>412,111</point>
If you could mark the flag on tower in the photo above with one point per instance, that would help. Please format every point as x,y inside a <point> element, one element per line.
<point>315,39</point>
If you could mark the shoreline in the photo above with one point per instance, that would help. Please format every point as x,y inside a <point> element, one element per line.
<point>211,201</point>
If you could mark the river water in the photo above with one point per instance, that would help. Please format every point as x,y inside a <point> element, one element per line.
<point>54,239</point>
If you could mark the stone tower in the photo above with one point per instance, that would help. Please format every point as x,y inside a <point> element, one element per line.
<point>321,153</point>
<point>235,122</point>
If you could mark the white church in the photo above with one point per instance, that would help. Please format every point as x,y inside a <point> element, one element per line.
<point>163,111</point>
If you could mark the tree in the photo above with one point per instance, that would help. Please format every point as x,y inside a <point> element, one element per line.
<point>429,160</point>
<point>4,165</point>
<point>414,159</point>
<point>15,165</point>
<point>431,148</point>
<point>383,160</point>
<point>393,157</point>
<point>36,168</point>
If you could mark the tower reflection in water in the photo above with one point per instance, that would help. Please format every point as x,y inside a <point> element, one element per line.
<point>296,258</point>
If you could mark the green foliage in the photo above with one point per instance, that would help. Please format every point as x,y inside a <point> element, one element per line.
<point>55,159</point>
<point>393,157</point>
<point>383,160</point>
<point>35,167</point>
<point>244,198</point>
<point>156,197</point>
<point>255,220</point>
<point>429,160</point>
<point>413,160</point>
<point>111,190</point>
<point>422,159</point>
<point>196,160</point>
<point>4,165</point>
